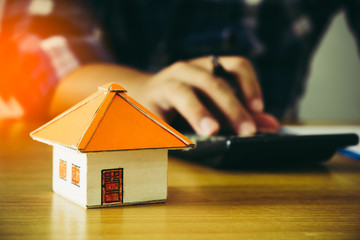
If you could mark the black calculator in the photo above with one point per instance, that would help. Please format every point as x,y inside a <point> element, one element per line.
<point>265,149</point>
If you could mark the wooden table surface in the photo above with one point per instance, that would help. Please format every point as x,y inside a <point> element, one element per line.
<point>319,202</point>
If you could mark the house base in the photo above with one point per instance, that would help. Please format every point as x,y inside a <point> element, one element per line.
<point>112,204</point>
<point>126,204</point>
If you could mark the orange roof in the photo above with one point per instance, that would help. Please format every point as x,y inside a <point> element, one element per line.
<point>110,120</point>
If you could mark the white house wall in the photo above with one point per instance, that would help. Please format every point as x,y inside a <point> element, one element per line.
<point>144,174</point>
<point>65,187</point>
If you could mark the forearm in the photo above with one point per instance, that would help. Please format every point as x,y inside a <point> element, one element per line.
<point>85,80</point>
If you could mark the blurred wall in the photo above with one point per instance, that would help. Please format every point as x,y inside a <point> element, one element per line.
<point>333,88</point>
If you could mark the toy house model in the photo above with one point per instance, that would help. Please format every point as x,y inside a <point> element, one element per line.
<point>109,150</point>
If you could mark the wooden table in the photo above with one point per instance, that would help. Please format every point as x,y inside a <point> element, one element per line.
<point>319,202</point>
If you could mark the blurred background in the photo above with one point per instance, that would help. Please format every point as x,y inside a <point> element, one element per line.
<point>333,85</point>
<point>333,88</point>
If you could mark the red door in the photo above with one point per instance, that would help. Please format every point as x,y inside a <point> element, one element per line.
<point>112,186</point>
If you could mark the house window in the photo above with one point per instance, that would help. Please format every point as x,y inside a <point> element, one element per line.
<point>62,169</point>
<point>75,175</point>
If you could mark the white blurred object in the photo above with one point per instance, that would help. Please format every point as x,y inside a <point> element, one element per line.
<point>10,109</point>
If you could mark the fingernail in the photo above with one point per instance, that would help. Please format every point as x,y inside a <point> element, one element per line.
<point>247,129</point>
<point>257,105</point>
<point>208,126</point>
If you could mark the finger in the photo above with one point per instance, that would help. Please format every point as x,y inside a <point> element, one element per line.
<point>220,92</point>
<point>248,81</point>
<point>266,122</point>
<point>246,77</point>
<point>183,98</point>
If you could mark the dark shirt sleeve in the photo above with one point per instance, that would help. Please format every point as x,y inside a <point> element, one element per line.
<point>40,43</point>
<point>352,8</point>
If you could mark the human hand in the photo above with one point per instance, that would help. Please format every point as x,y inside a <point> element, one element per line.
<point>187,87</point>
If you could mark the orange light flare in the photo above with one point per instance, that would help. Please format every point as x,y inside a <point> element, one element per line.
<point>20,100</point>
